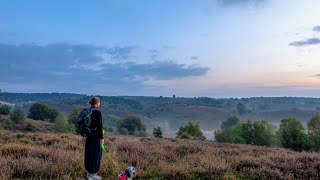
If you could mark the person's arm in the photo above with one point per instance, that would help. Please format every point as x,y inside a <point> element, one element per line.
<point>99,127</point>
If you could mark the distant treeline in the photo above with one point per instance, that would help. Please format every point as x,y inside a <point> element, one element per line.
<point>142,104</point>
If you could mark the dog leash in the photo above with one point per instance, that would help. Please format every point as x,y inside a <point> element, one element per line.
<point>104,151</point>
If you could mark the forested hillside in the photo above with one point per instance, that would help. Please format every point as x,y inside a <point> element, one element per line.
<point>172,112</point>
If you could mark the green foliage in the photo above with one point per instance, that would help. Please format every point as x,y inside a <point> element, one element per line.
<point>230,135</point>
<point>110,129</point>
<point>231,121</point>
<point>17,116</point>
<point>41,111</point>
<point>314,123</point>
<point>157,132</point>
<point>292,136</point>
<point>20,135</point>
<point>191,131</point>
<point>110,120</point>
<point>132,124</point>
<point>259,133</point>
<point>30,126</point>
<point>5,110</point>
<point>73,116</point>
<point>314,132</point>
<point>123,131</point>
<point>8,124</point>
<point>61,125</point>
<point>140,133</point>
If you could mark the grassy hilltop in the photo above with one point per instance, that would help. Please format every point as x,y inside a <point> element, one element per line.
<point>60,156</point>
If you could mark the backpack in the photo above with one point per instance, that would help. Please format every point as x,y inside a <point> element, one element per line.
<point>84,122</point>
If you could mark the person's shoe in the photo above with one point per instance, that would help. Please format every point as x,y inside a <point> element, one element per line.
<point>90,176</point>
<point>96,177</point>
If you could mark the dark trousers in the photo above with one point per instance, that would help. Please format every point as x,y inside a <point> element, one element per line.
<point>93,152</point>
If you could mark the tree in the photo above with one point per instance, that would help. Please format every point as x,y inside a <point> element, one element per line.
<point>257,133</point>
<point>73,116</point>
<point>314,123</point>
<point>5,110</point>
<point>61,125</point>
<point>291,135</point>
<point>314,132</point>
<point>52,114</point>
<point>231,121</point>
<point>157,132</point>
<point>191,131</point>
<point>17,116</point>
<point>41,111</point>
<point>230,135</point>
<point>132,124</point>
<point>248,132</point>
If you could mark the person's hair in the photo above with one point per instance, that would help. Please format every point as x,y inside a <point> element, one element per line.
<point>94,101</point>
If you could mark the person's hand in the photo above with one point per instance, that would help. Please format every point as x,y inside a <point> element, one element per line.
<point>102,141</point>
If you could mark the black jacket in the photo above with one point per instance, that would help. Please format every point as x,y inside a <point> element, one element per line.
<point>96,123</point>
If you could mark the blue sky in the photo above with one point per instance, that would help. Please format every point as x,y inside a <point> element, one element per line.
<point>216,48</point>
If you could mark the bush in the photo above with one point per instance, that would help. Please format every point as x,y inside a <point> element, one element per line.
<point>61,125</point>
<point>132,124</point>
<point>17,116</point>
<point>30,126</point>
<point>20,135</point>
<point>191,131</point>
<point>8,124</point>
<point>157,132</point>
<point>5,110</point>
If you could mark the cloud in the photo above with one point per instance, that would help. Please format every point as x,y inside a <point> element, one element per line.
<point>316,29</point>
<point>307,42</point>
<point>243,3</point>
<point>83,68</point>
<point>316,76</point>
<point>194,57</point>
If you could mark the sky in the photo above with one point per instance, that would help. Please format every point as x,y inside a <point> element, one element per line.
<point>214,48</point>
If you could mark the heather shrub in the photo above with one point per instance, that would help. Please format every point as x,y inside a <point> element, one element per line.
<point>60,156</point>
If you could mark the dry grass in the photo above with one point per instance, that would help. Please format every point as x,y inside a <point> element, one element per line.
<point>60,156</point>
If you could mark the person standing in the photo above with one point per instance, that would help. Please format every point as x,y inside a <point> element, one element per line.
<point>93,151</point>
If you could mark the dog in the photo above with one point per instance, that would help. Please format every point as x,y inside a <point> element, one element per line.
<point>128,174</point>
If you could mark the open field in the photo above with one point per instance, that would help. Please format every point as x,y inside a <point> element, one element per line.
<point>60,156</point>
